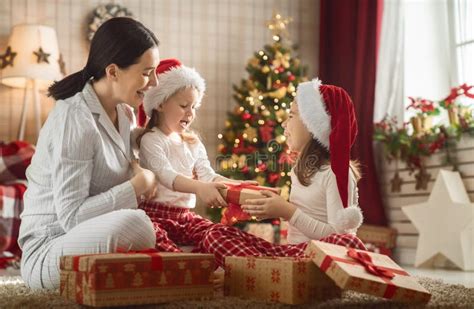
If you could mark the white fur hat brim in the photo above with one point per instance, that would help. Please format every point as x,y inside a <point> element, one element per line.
<point>169,83</point>
<point>312,111</point>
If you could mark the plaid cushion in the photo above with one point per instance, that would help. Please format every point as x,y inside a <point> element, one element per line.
<point>11,206</point>
<point>14,159</point>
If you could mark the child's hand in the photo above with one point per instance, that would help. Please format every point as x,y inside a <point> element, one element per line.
<point>208,192</point>
<point>272,206</point>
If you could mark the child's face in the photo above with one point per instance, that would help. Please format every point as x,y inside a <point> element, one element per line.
<point>133,81</point>
<point>178,112</point>
<point>296,133</point>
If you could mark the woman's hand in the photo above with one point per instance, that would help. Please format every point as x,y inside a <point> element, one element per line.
<point>143,181</point>
<point>272,206</point>
<point>208,192</point>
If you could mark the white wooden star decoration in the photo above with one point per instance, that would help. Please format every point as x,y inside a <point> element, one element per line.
<point>445,223</point>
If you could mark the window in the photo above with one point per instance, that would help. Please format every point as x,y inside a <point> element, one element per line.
<point>462,12</point>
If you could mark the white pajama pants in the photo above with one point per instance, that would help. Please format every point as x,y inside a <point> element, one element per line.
<point>126,229</point>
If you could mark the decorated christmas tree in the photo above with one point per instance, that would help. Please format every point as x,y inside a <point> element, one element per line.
<point>252,145</point>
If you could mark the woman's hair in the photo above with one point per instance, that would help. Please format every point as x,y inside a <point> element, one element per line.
<point>119,40</point>
<point>312,157</point>
<point>188,136</point>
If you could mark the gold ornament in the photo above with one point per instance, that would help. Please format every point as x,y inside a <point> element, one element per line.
<point>281,115</point>
<point>256,97</point>
<point>242,161</point>
<point>277,25</point>
<point>269,82</point>
<point>266,113</point>
<point>296,62</point>
<point>285,192</point>
<point>266,69</point>
<point>220,147</point>
<point>229,136</point>
<point>228,124</point>
<point>260,180</point>
<point>279,93</point>
<point>250,84</point>
<point>255,62</point>
<point>291,87</point>
<point>281,60</point>
<point>280,139</point>
<point>251,133</point>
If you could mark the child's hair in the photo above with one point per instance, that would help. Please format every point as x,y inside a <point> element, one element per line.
<point>188,136</point>
<point>312,157</point>
<point>119,40</point>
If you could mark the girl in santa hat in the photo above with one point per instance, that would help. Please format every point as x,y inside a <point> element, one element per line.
<point>177,157</point>
<point>323,203</point>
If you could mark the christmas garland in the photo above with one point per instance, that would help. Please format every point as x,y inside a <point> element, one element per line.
<point>415,141</point>
<point>103,13</point>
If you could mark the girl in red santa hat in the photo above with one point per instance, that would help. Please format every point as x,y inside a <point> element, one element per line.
<point>177,157</point>
<point>323,203</point>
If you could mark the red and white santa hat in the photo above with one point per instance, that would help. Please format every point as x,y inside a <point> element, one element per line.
<point>172,76</point>
<point>328,113</point>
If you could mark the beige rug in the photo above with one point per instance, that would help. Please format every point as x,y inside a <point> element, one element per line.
<point>14,294</point>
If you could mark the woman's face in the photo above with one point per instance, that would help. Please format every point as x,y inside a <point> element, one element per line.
<point>178,112</point>
<point>134,80</point>
<point>296,133</point>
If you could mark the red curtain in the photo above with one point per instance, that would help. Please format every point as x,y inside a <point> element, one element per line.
<point>347,58</point>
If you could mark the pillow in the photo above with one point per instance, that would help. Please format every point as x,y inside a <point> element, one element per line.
<point>14,159</point>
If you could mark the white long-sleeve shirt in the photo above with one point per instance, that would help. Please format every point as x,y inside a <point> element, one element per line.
<point>170,156</point>
<point>317,205</point>
<point>80,169</point>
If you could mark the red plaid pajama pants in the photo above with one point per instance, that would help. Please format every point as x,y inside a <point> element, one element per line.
<point>175,226</point>
<point>222,240</point>
<point>180,226</point>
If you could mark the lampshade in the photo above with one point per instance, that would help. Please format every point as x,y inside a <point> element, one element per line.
<point>37,56</point>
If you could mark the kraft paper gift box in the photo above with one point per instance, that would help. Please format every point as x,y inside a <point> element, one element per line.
<point>235,195</point>
<point>283,280</point>
<point>378,239</point>
<point>366,272</point>
<point>119,279</point>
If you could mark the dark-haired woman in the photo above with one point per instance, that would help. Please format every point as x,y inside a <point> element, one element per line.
<point>83,184</point>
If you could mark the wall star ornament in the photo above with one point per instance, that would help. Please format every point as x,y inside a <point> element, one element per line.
<point>445,223</point>
<point>42,56</point>
<point>7,58</point>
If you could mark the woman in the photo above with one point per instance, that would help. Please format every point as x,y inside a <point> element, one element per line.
<point>82,183</point>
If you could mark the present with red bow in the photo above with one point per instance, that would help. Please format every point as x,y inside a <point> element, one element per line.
<point>133,278</point>
<point>278,279</point>
<point>366,272</point>
<point>378,239</point>
<point>236,195</point>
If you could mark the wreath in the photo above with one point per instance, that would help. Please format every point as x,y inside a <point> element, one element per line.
<point>103,13</point>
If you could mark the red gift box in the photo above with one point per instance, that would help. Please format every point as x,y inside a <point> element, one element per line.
<point>235,195</point>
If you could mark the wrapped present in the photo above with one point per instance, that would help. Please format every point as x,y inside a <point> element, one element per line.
<point>119,279</point>
<point>283,280</point>
<point>366,272</point>
<point>235,195</point>
<point>283,232</point>
<point>262,230</point>
<point>380,236</point>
